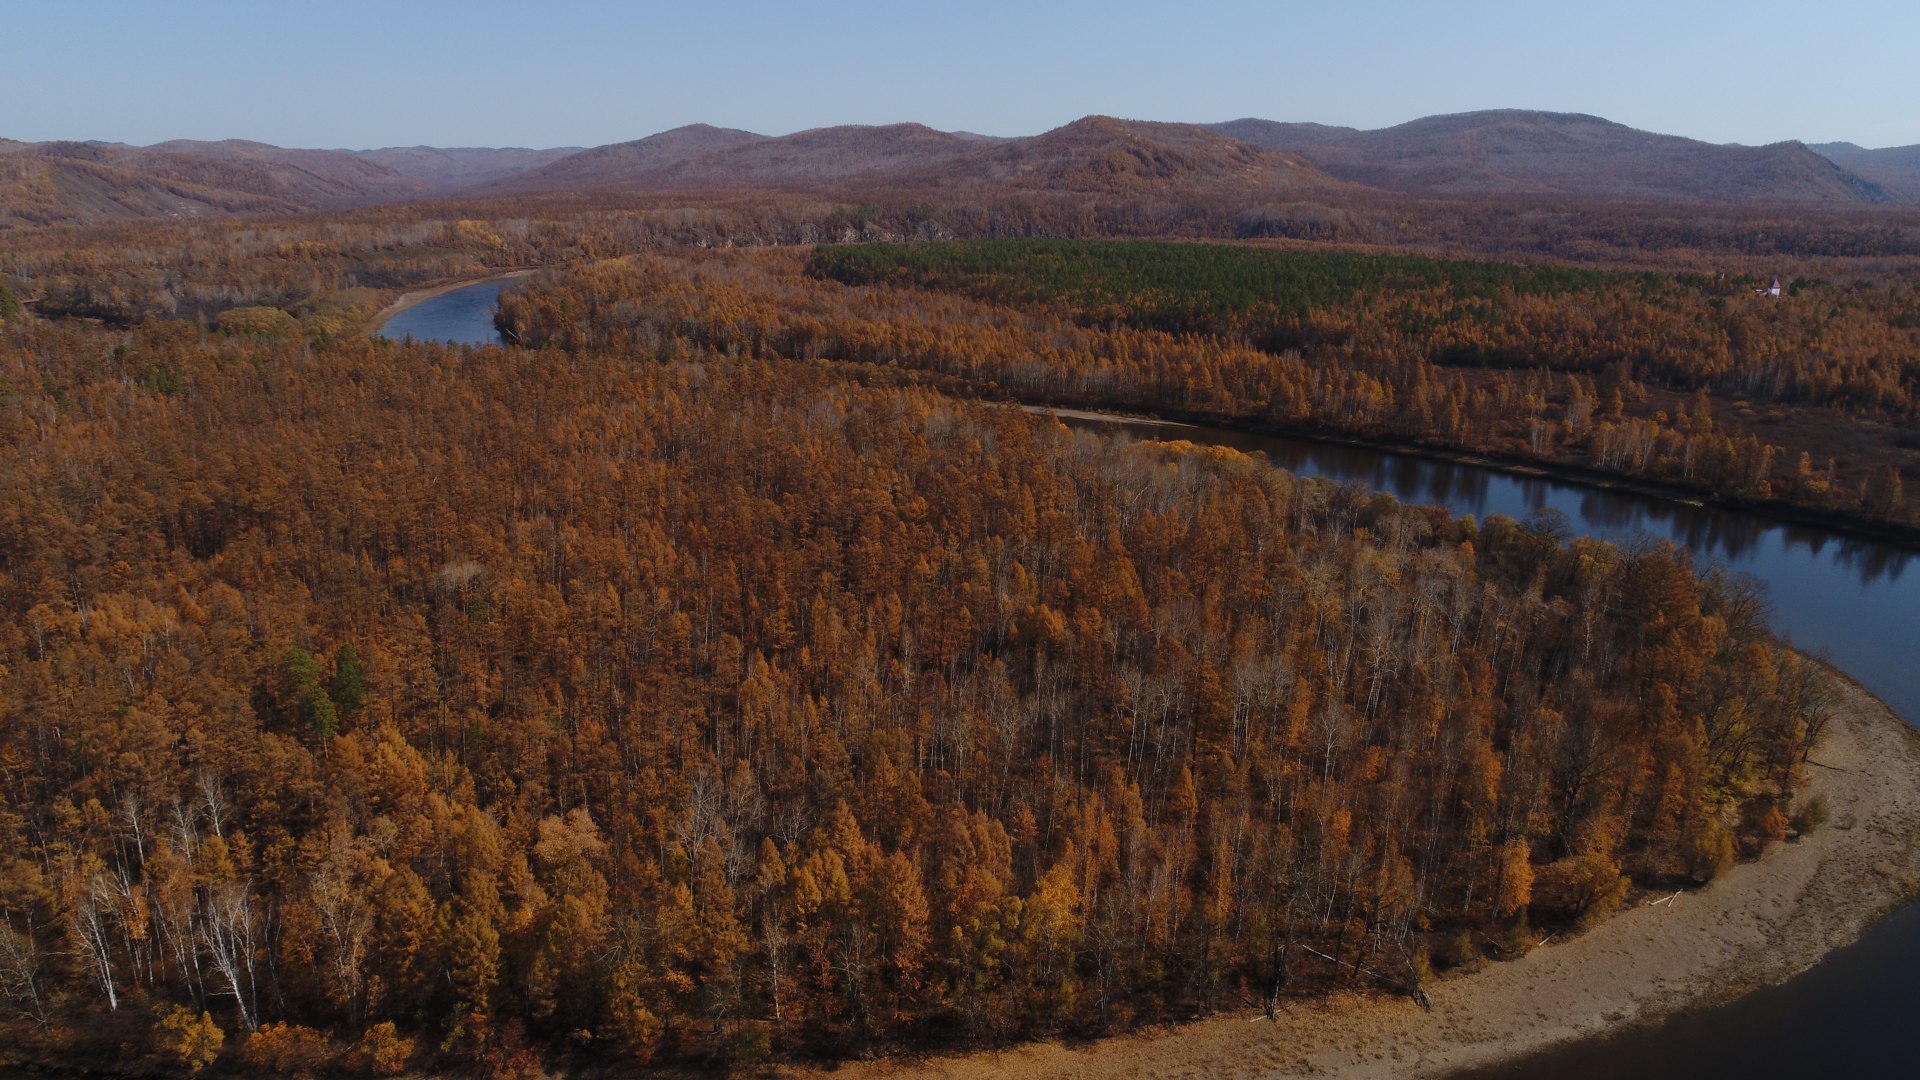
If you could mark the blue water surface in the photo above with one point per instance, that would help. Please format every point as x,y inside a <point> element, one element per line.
<point>463,316</point>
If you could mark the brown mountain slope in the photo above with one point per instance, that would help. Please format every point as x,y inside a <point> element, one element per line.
<point>628,164</point>
<point>1095,154</point>
<point>317,178</point>
<point>47,183</point>
<point>1104,154</point>
<point>823,157</point>
<point>1895,168</point>
<point>832,157</point>
<point>45,186</point>
<point>1283,136</point>
<point>457,167</point>
<point>1514,151</point>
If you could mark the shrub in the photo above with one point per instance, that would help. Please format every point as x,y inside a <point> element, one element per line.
<point>1420,968</point>
<point>1811,816</point>
<point>1773,825</point>
<point>384,1051</point>
<point>750,1045</point>
<point>1711,852</point>
<point>1459,951</point>
<point>1584,885</point>
<point>1518,939</point>
<point>258,321</point>
<point>187,1040</point>
<point>288,1049</point>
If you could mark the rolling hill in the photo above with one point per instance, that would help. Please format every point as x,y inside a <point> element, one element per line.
<point>699,157</point>
<point>628,164</point>
<point>1520,152</point>
<point>65,183</point>
<point>1894,168</point>
<point>72,182</point>
<point>1096,153</point>
<point>823,157</point>
<point>76,182</point>
<point>318,178</point>
<point>457,168</point>
<point>1104,154</point>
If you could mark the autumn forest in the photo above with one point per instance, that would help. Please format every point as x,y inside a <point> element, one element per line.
<point>729,671</point>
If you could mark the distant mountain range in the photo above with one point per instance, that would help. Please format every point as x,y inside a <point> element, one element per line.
<point>1514,152</point>
<point>1499,152</point>
<point>1094,154</point>
<point>460,167</point>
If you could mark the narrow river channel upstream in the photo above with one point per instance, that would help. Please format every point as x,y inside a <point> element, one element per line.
<point>1854,602</point>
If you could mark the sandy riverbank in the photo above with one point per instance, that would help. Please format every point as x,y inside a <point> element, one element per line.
<point>1758,924</point>
<point>409,299</point>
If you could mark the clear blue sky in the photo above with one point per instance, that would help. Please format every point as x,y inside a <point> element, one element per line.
<point>560,72</point>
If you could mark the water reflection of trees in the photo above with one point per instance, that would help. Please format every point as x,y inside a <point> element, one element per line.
<point>1872,562</point>
<point>1715,535</point>
<point>1463,490</point>
<point>1721,535</point>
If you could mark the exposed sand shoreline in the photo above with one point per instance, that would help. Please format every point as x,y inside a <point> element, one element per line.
<point>409,299</point>
<point>1757,925</point>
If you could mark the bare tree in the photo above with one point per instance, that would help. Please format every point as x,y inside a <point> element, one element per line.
<point>213,795</point>
<point>91,910</point>
<point>228,928</point>
<point>344,907</point>
<point>20,972</point>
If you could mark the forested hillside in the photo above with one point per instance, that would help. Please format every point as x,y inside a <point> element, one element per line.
<point>1516,151</point>
<point>382,706</point>
<point>74,182</point>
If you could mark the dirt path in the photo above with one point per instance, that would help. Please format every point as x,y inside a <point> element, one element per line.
<point>409,299</point>
<point>1756,925</point>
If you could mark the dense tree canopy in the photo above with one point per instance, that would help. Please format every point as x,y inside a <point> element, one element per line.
<point>724,675</point>
<point>1821,343</point>
<point>378,704</point>
<point>1411,354</point>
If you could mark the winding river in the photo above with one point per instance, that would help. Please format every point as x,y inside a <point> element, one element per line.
<point>1856,602</point>
<point>463,316</point>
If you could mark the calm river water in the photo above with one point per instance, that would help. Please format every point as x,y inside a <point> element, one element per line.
<point>1856,602</point>
<point>463,316</point>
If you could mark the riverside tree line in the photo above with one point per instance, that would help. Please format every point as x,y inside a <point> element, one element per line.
<point>1607,371</point>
